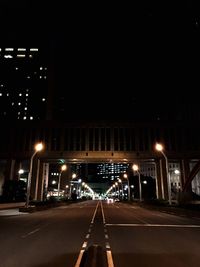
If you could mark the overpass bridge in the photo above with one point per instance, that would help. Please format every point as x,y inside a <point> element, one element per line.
<point>103,142</point>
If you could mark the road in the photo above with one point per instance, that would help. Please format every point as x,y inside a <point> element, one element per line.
<point>131,236</point>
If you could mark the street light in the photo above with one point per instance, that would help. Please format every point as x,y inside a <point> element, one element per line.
<point>136,169</point>
<point>160,148</point>
<point>70,189</point>
<point>63,168</point>
<point>38,147</point>
<point>129,193</point>
<point>120,181</point>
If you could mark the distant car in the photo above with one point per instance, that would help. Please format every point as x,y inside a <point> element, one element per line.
<point>110,200</point>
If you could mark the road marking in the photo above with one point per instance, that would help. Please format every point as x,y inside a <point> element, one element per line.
<point>103,215</point>
<point>78,262</point>
<point>107,244</point>
<point>84,246</point>
<point>154,225</point>
<point>92,221</point>
<point>30,233</point>
<point>109,258</point>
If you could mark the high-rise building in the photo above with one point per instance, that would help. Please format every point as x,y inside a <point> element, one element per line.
<point>111,171</point>
<point>23,83</point>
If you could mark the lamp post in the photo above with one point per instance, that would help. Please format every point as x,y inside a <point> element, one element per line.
<point>38,147</point>
<point>129,192</point>
<point>63,168</point>
<point>160,148</point>
<point>136,169</point>
<point>120,181</point>
<point>70,189</point>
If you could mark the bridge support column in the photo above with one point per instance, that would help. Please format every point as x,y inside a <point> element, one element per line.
<point>159,194</point>
<point>43,181</point>
<point>162,184</point>
<point>185,172</point>
<point>34,179</point>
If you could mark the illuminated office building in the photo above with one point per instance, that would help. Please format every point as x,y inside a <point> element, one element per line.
<point>23,84</point>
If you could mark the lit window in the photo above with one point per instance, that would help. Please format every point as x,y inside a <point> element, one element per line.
<point>12,103</point>
<point>25,108</point>
<point>0,94</point>
<point>1,85</point>
<point>43,99</point>
<point>8,56</point>
<point>24,118</point>
<point>40,77</point>
<point>21,55</point>
<point>9,49</point>
<point>33,49</point>
<point>30,56</point>
<point>21,49</point>
<point>18,113</point>
<point>20,94</point>
<point>26,94</point>
<point>31,118</point>
<point>45,77</point>
<point>28,77</point>
<point>19,104</point>
<point>27,90</point>
<point>41,68</point>
<point>7,94</point>
<point>16,68</point>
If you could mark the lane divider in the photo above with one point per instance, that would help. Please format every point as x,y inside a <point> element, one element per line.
<point>85,243</point>
<point>107,244</point>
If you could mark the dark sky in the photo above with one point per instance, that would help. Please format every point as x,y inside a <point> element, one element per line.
<point>118,52</point>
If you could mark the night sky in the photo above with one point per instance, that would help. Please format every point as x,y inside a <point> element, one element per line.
<point>128,57</point>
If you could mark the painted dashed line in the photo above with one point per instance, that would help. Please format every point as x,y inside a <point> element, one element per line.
<point>30,233</point>
<point>107,244</point>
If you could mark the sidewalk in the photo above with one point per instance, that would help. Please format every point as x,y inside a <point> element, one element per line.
<point>11,205</point>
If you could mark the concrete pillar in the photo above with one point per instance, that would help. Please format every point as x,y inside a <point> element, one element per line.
<point>185,171</point>
<point>159,189</point>
<point>10,169</point>
<point>164,179</point>
<point>40,187</point>
<point>34,179</point>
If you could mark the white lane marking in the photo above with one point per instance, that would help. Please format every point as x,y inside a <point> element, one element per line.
<point>78,262</point>
<point>103,215</point>
<point>30,233</point>
<point>107,245</point>
<point>84,245</point>
<point>106,236</point>
<point>109,259</point>
<point>108,249</point>
<point>92,221</point>
<point>154,225</point>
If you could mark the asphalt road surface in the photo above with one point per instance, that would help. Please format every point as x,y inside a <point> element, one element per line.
<point>130,236</point>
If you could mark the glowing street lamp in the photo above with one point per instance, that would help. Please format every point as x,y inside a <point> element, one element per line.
<point>70,189</point>
<point>63,168</point>
<point>136,169</point>
<point>159,147</point>
<point>38,147</point>
<point>129,193</point>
